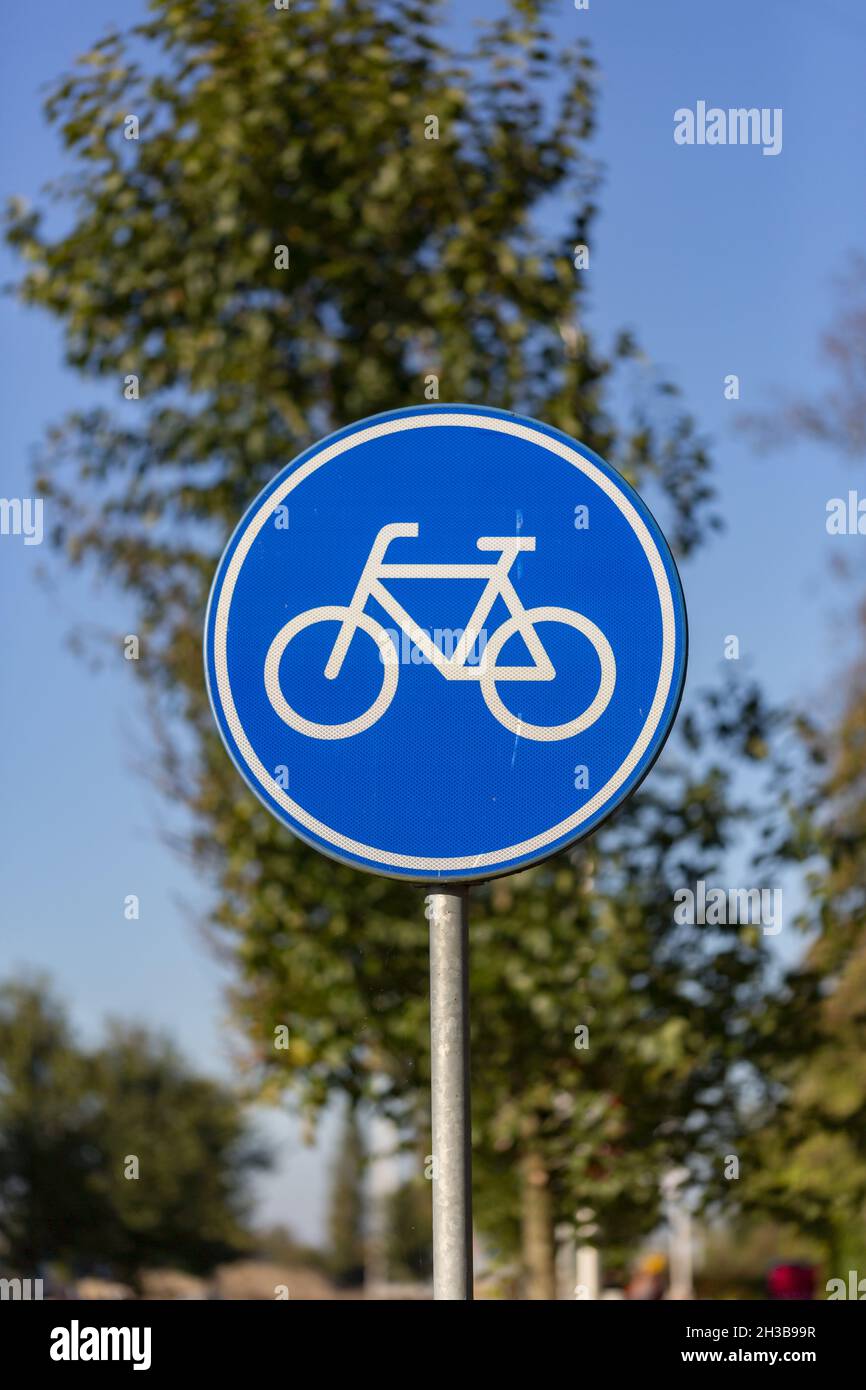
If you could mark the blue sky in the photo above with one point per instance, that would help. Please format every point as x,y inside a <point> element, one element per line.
<point>722,261</point>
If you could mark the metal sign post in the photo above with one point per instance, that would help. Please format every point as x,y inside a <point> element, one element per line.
<point>448,914</point>
<point>459,599</point>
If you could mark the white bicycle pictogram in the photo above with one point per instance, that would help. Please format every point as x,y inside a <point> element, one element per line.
<point>453,667</point>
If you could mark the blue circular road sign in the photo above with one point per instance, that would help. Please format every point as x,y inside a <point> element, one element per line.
<point>445,642</point>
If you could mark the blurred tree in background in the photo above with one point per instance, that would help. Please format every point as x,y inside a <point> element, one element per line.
<point>809,1164</point>
<point>835,416</point>
<point>614,1043</point>
<point>408,257</point>
<point>346,1206</point>
<point>115,1157</point>
<point>48,1148</point>
<point>277,1245</point>
<point>409,1232</point>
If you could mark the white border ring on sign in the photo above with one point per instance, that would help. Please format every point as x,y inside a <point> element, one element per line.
<point>538,843</point>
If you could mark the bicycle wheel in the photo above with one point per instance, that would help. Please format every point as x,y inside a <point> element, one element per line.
<point>542,732</point>
<point>390,672</point>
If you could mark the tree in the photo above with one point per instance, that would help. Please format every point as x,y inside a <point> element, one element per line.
<point>48,1135</point>
<point>837,416</point>
<point>809,1157</point>
<point>346,1212</point>
<point>408,255</point>
<point>806,1162</point>
<point>409,1232</point>
<point>277,1245</point>
<point>613,1043</point>
<point>117,1156</point>
<point>415,264</point>
<point>184,1138</point>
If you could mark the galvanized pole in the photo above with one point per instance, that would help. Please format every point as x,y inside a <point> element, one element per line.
<point>448,914</point>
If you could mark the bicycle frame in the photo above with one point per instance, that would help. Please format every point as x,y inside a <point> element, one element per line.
<point>498,585</point>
